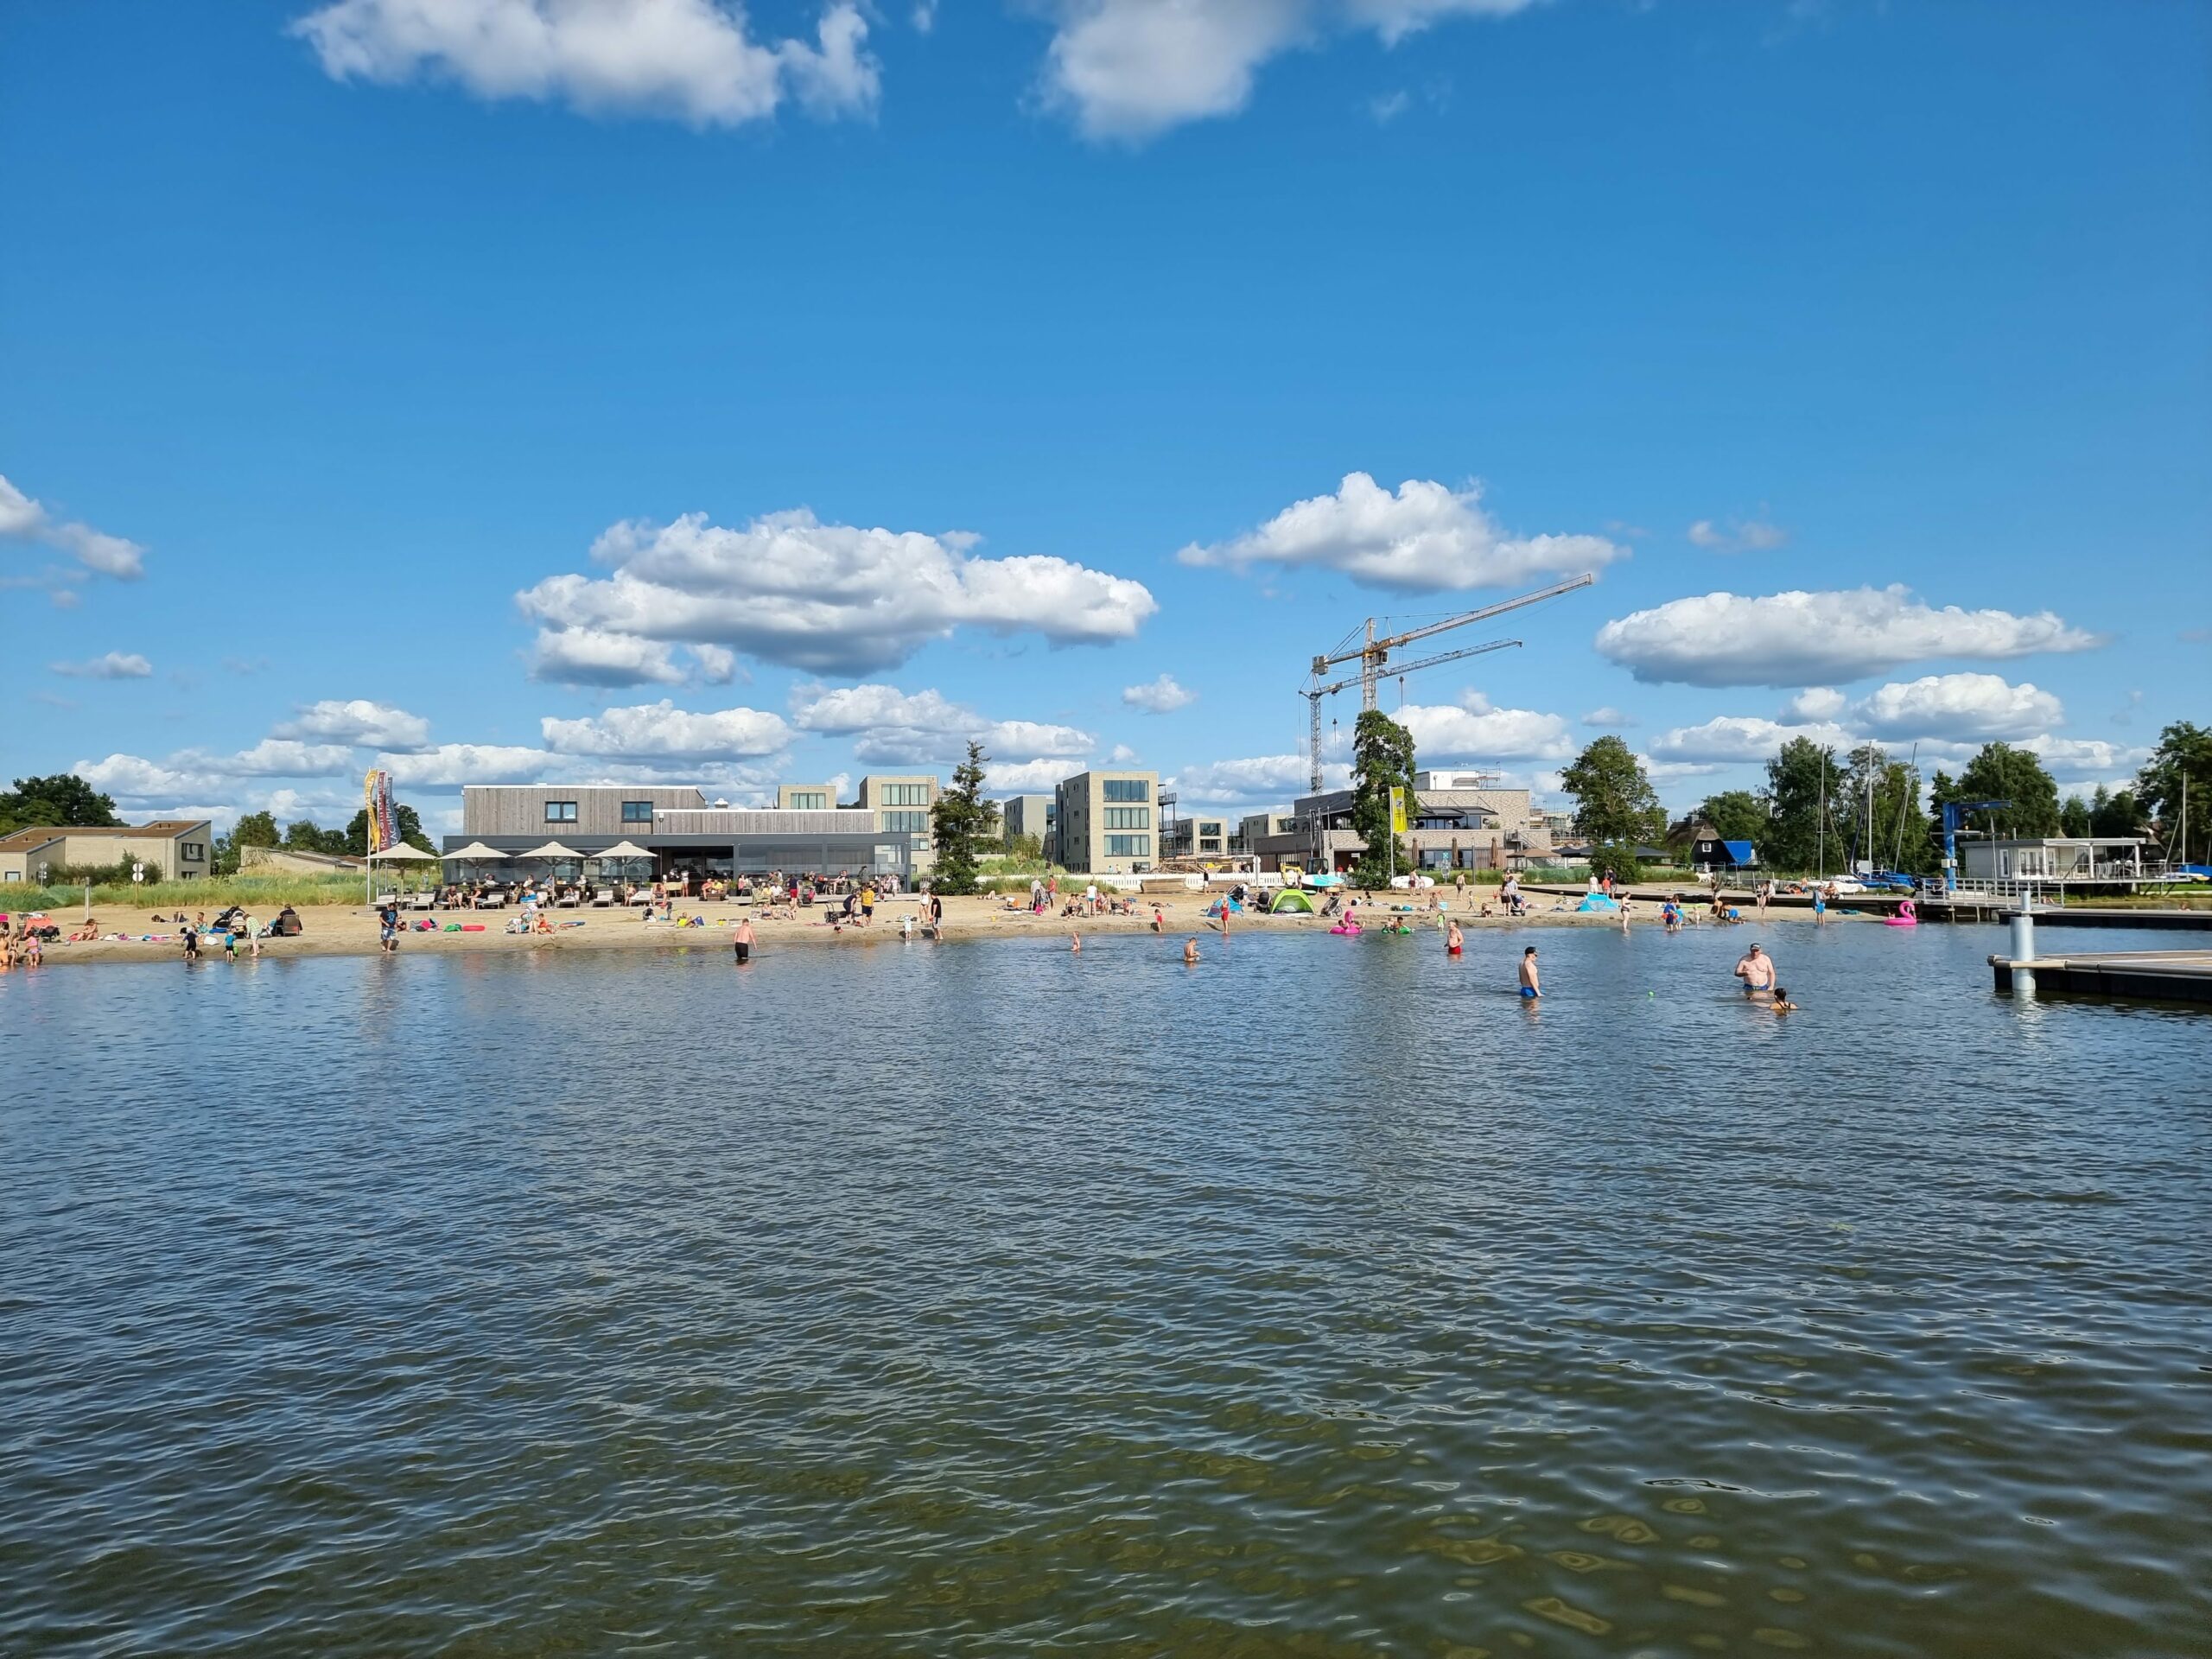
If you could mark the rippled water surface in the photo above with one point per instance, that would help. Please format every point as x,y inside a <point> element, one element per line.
<point>1320,1300</point>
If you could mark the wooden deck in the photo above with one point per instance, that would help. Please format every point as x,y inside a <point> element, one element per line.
<point>2126,975</point>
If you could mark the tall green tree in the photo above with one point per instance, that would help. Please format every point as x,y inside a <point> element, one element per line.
<point>1735,814</point>
<point>256,829</point>
<point>2117,813</point>
<point>2183,757</point>
<point>961,824</point>
<point>2075,815</point>
<point>1381,759</point>
<point>1800,780</point>
<point>306,835</point>
<point>57,802</point>
<point>1614,802</point>
<point>2016,777</point>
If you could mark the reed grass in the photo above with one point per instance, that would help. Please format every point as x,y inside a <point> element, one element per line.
<point>267,892</point>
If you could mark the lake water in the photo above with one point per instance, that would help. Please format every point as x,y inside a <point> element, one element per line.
<point>1322,1300</point>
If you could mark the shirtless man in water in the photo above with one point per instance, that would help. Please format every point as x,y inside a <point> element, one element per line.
<point>1757,971</point>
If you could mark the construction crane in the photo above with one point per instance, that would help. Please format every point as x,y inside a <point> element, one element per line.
<point>1373,653</point>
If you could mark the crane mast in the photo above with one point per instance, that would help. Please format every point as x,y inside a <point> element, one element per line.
<point>1372,654</point>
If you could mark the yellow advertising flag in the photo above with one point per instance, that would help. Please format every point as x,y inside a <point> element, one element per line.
<point>1397,809</point>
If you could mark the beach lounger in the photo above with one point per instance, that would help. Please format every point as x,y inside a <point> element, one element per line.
<point>567,901</point>
<point>493,901</point>
<point>603,899</point>
<point>424,901</point>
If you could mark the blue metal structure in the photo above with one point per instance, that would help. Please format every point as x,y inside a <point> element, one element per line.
<point>1954,813</point>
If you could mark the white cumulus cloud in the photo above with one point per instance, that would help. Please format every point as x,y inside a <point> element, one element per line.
<point>1474,729</point>
<point>1981,706</point>
<point>448,766</point>
<point>111,665</point>
<point>24,517</point>
<point>1256,779</point>
<point>1425,539</point>
<point>1742,737</point>
<point>894,727</point>
<point>788,588</point>
<point>1160,697</point>
<point>691,60</point>
<point>1811,638</point>
<point>357,720</point>
<point>662,730</point>
<point>1128,69</point>
<point>1027,777</point>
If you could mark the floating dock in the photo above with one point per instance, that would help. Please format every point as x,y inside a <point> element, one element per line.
<point>2131,976</point>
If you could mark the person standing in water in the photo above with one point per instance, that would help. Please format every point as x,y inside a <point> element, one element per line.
<point>1532,986</point>
<point>1453,943</point>
<point>937,915</point>
<point>1757,971</point>
<point>1076,949</point>
<point>743,944</point>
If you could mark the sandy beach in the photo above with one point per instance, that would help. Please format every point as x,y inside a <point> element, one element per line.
<point>351,930</point>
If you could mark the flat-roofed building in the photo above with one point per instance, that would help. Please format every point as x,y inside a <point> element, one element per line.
<point>683,833</point>
<point>1028,815</point>
<point>806,798</point>
<point>902,802</point>
<point>1198,837</point>
<point>170,849</point>
<point>2053,858</point>
<point>1257,827</point>
<point>1459,826</point>
<point>1106,823</point>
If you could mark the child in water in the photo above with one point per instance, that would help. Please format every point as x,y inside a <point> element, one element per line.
<point>1453,943</point>
<point>1781,1003</point>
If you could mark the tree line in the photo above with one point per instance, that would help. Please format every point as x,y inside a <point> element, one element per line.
<point>1818,808</point>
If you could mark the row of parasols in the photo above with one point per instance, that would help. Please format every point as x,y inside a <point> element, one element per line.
<point>478,853</point>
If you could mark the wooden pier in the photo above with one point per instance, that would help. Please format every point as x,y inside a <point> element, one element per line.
<point>2128,975</point>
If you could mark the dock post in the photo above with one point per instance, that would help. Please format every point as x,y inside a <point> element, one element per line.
<point>2024,952</point>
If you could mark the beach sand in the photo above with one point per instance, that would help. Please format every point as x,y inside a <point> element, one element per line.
<point>351,930</point>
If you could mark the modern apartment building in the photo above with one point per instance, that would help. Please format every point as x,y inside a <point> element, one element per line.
<point>1257,827</point>
<point>1199,838</point>
<point>1028,815</point>
<point>1106,822</point>
<point>1454,825</point>
<point>902,803</point>
<point>805,797</point>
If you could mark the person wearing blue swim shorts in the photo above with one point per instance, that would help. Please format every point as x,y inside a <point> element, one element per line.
<point>1531,986</point>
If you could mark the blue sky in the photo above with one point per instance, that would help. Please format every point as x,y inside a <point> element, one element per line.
<point>454,379</point>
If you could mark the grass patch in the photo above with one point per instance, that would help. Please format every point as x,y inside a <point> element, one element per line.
<point>268,892</point>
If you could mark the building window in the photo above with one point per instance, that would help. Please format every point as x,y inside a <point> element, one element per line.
<point>810,800</point>
<point>636,811</point>
<point>1129,846</point>
<point>905,794</point>
<point>912,822</point>
<point>1129,817</point>
<point>192,852</point>
<point>560,811</point>
<point>1126,789</point>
